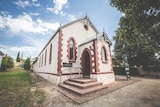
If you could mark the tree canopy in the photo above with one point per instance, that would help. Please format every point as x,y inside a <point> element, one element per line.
<point>138,34</point>
<point>27,65</point>
<point>7,63</point>
<point>18,57</point>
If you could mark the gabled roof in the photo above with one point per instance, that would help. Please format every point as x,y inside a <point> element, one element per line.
<point>61,27</point>
<point>86,17</point>
<point>96,37</point>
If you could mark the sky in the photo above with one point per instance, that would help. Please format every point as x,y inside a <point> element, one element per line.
<point>27,25</point>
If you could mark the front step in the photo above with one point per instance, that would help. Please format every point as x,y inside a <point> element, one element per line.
<point>82,86</point>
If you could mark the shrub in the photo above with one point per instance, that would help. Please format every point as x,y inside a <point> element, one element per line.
<point>7,63</point>
<point>121,71</point>
<point>27,65</point>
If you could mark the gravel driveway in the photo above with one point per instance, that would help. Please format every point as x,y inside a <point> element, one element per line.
<point>144,93</point>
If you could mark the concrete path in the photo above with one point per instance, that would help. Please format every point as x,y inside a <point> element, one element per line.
<point>144,93</point>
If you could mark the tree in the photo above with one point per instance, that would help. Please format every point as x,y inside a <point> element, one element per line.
<point>138,34</point>
<point>7,63</point>
<point>27,65</point>
<point>18,57</point>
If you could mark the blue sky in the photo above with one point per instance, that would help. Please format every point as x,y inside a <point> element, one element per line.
<point>27,25</point>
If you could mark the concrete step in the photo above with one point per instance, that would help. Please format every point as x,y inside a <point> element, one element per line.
<point>82,81</point>
<point>83,92</point>
<point>84,85</point>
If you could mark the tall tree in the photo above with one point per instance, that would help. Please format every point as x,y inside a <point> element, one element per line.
<point>18,57</point>
<point>7,63</point>
<point>27,65</point>
<point>138,34</point>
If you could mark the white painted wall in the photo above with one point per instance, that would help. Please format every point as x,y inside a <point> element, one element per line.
<point>80,35</point>
<point>49,68</point>
<point>104,67</point>
<point>104,78</point>
<point>1,57</point>
<point>35,67</point>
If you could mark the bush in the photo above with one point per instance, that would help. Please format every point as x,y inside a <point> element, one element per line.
<point>155,68</point>
<point>121,71</point>
<point>27,65</point>
<point>7,63</point>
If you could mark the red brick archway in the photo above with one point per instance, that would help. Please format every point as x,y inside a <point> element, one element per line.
<point>86,63</point>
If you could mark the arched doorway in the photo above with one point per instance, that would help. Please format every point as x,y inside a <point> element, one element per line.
<point>86,64</point>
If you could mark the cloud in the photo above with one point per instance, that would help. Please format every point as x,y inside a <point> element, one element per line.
<point>58,9</point>
<point>34,14</point>
<point>58,6</point>
<point>26,3</point>
<point>71,17</point>
<point>26,50</point>
<point>25,23</point>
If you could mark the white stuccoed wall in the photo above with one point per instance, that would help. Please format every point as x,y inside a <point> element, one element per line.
<point>77,31</point>
<point>50,68</point>
<point>104,67</point>
<point>1,60</point>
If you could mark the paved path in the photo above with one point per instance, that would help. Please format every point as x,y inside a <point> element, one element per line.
<point>145,93</point>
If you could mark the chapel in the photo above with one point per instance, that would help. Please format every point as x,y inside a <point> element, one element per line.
<point>76,50</point>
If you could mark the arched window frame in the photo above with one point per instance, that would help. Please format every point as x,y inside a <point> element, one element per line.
<point>45,57</point>
<point>104,54</point>
<point>42,61</point>
<point>39,61</point>
<point>69,50</point>
<point>50,54</point>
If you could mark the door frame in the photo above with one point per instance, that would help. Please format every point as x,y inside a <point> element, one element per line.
<point>83,63</point>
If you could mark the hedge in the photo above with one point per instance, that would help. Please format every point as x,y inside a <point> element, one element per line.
<point>121,71</point>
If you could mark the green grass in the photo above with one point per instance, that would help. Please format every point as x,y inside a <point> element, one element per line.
<point>15,89</point>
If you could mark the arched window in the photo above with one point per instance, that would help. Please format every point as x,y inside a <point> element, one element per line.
<point>42,60</point>
<point>71,50</point>
<point>45,57</point>
<point>104,54</point>
<point>50,54</point>
<point>39,61</point>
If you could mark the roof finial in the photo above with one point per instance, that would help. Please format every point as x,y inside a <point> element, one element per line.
<point>86,16</point>
<point>103,30</point>
<point>60,26</point>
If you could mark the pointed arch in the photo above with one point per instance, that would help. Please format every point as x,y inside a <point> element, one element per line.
<point>45,57</point>
<point>71,50</point>
<point>104,54</point>
<point>50,54</point>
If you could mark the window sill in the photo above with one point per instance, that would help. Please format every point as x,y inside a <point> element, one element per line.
<point>72,60</point>
<point>105,62</point>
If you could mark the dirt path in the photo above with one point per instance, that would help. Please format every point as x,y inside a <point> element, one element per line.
<point>145,93</point>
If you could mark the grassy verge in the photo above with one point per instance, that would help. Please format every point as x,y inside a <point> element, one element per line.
<point>15,88</point>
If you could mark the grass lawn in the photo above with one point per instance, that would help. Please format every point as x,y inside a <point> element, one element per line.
<point>15,91</point>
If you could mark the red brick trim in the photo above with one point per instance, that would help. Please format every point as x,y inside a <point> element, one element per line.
<point>59,63</point>
<point>57,74</point>
<point>75,49</point>
<point>96,56</point>
<point>47,73</point>
<point>102,72</point>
